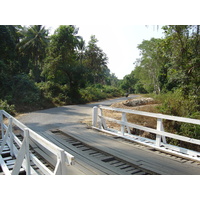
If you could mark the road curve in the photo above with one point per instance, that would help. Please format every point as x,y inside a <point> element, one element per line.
<point>68,120</point>
<point>63,116</point>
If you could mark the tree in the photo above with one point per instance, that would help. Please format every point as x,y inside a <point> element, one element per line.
<point>96,62</point>
<point>8,56</point>
<point>128,83</point>
<point>112,80</point>
<point>7,44</point>
<point>152,62</point>
<point>33,46</point>
<point>185,57</point>
<point>61,65</point>
<point>81,50</point>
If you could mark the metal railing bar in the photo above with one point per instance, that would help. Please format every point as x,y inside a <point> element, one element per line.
<point>155,115</point>
<point>162,133</point>
<point>4,166</point>
<point>40,165</point>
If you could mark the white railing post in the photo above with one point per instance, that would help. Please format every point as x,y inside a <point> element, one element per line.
<point>94,116</point>
<point>60,168</point>
<point>11,136</point>
<point>159,128</point>
<point>163,137</point>
<point>102,120</point>
<point>4,141</point>
<point>22,154</point>
<point>27,154</point>
<point>2,128</point>
<point>123,120</point>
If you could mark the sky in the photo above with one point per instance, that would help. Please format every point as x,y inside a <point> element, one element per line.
<point>119,42</point>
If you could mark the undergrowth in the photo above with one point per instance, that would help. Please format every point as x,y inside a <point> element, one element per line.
<point>176,104</point>
<point>8,108</point>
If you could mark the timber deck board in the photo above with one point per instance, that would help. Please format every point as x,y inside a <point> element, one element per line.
<point>143,156</point>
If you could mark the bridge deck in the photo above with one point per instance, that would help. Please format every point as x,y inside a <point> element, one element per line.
<point>154,160</point>
<point>139,155</point>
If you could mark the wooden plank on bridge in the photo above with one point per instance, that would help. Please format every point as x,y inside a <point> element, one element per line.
<point>132,152</point>
<point>82,164</point>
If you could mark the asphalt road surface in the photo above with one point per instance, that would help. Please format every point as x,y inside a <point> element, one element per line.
<point>64,116</point>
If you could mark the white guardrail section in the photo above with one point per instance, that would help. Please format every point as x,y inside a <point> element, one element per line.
<point>23,155</point>
<point>160,143</point>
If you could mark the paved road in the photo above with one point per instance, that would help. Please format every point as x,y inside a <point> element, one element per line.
<point>68,119</point>
<point>64,116</point>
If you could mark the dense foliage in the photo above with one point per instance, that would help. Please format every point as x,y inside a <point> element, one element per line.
<point>38,70</point>
<point>169,68</point>
<point>170,63</point>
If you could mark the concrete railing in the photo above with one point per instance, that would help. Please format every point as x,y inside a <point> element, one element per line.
<point>20,150</point>
<point>99,121</point>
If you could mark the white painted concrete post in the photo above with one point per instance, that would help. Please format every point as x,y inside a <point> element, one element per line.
<point>27,155</point>
<point>11,136</point>
<point>2,128</point>
<point>159,128</point>
<point>163,137</point>
<point>102,121</point>
<point>123,120</point>
<point>94,116</point>
<point>61,168</point>
<point>63,163</point>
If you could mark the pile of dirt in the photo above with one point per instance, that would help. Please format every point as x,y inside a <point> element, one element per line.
<point>139,102</point>
<point>128,104</point>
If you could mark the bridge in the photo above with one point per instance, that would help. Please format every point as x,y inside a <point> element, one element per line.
<point>60,144</point>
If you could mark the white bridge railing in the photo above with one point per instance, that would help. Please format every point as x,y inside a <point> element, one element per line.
<point>160,143</point>
<point>20,150</point>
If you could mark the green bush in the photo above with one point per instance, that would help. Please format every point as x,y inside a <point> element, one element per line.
<point>98,92</point>
<point>24,90</point>
<point>8,108</point>
<point>90,93</point>
<point>174,103</point>
<point>55,93</point>
<point>112,91</point>
<point>191,130</point>
<point>139,89</point>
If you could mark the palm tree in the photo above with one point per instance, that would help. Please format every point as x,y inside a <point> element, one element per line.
<point>81,48</point>
<point>33,46</point>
